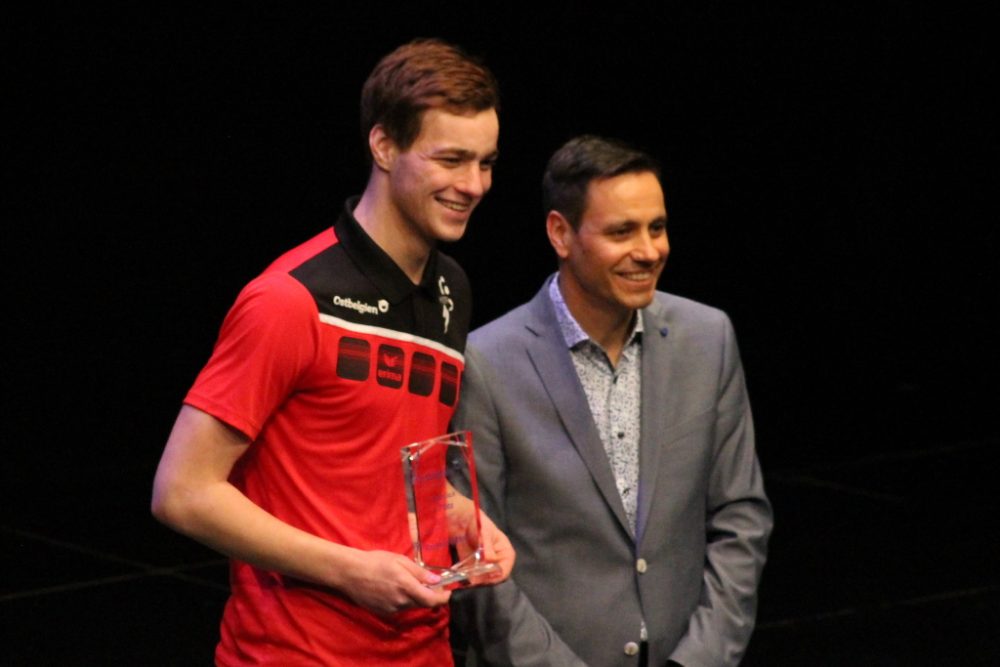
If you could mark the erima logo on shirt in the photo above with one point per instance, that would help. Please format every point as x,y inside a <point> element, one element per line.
<point>361,306</point>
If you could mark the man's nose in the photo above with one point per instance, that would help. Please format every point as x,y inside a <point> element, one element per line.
<point>650,248</point>
<point>475,181</point>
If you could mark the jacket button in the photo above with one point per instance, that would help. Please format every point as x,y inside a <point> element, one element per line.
<point>631,648</point>
<point>640,566</point>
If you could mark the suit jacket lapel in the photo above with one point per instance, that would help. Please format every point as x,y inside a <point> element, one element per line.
<point>659,406</point>
<point>550,357</point>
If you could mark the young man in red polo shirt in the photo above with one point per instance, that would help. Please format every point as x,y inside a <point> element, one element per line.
<point>286,453</point>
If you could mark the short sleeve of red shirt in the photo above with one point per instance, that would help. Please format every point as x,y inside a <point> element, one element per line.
<point>268,339</point>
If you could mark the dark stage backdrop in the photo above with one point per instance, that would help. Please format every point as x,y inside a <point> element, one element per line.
<point>829,176</point>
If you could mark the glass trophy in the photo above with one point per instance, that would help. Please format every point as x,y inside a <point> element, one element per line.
<point>443,504</point>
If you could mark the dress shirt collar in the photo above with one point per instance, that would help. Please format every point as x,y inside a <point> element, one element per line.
<point>571,330</point>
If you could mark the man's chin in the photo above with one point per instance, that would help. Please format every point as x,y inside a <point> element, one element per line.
<point>638,300</point>
<point>449,232</point>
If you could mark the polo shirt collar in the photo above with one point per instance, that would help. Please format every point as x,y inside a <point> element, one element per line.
<point>375,263</point>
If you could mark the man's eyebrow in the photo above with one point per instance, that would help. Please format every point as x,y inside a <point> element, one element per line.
<point>464,153</point>
<point>630,222</point>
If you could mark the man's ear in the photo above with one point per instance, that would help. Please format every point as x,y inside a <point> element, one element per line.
<point>383,148</point>
<point>560,233</point>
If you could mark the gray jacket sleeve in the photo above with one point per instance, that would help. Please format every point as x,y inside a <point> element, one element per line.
<point>738,525</point>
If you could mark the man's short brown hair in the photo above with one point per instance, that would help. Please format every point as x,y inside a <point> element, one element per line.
<point>420,75</point>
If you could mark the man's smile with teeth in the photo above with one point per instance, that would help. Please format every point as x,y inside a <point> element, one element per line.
<point>637,275</point>
<point>453,205</point>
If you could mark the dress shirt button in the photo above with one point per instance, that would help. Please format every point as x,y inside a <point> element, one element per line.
<point>631,648</point>
<point>640,566</point>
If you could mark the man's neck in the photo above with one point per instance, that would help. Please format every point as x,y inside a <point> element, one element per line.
<point>383,223</point>
<point>606,327</point>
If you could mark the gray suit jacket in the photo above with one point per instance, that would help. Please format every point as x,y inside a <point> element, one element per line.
<point>582,583</point>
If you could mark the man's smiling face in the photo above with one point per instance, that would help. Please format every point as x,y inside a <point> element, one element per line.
<point>437,182</point>
<point>612,261</point>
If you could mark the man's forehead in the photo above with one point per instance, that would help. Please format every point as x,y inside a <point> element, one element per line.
<point>473,131</point>
<point>628,190</point>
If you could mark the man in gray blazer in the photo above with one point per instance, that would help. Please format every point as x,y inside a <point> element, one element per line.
<point>614,445</point>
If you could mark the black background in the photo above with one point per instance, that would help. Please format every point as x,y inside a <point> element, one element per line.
<point>828,178</point>
<point>829,172</point>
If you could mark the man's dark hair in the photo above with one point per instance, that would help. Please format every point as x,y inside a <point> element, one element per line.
<point>420,75</point>
<point>582,160</point>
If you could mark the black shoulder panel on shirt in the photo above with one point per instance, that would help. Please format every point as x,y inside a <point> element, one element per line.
<point>439,309</point>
